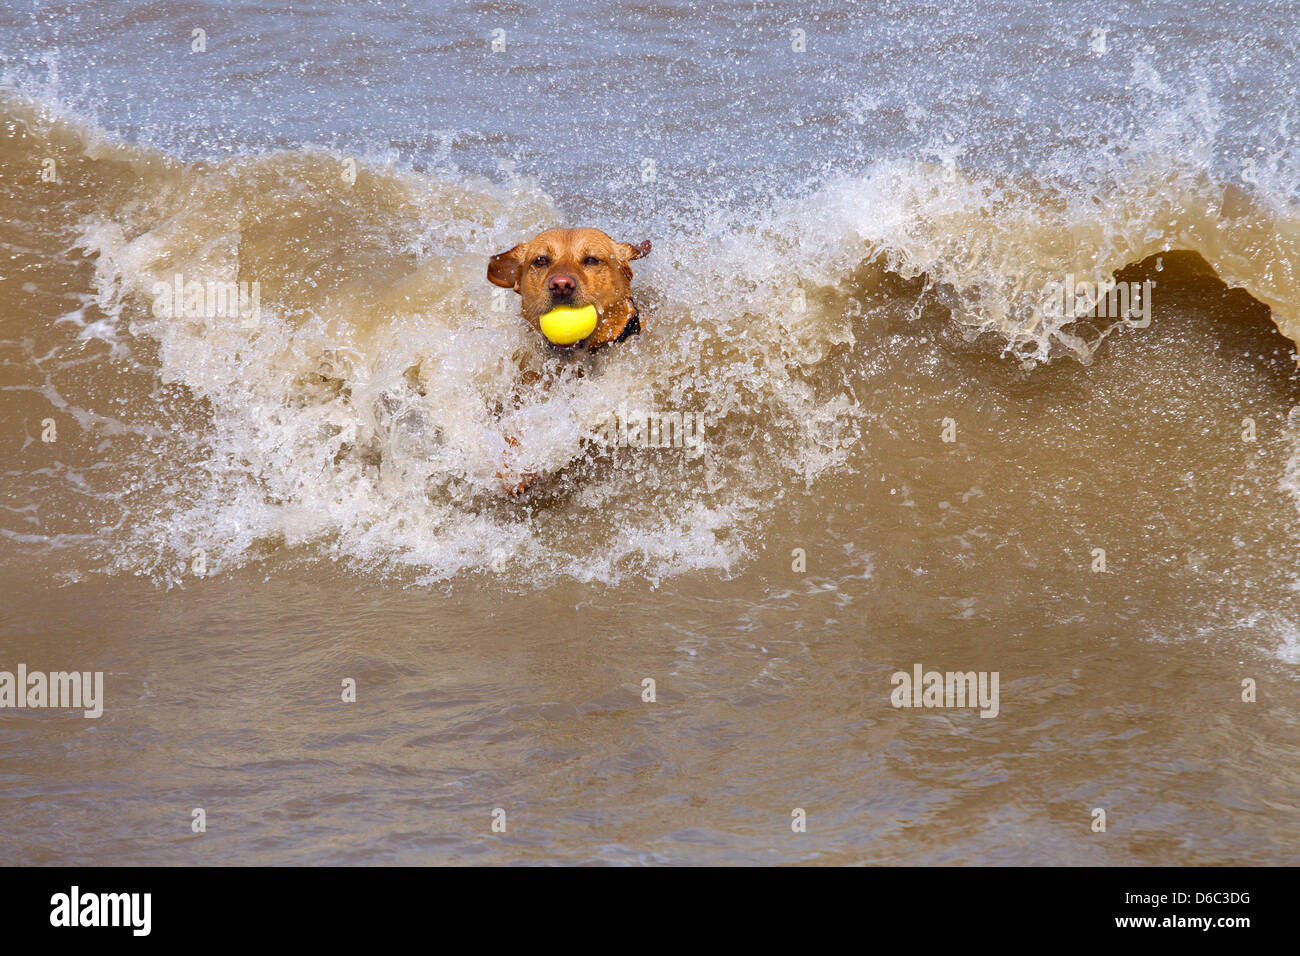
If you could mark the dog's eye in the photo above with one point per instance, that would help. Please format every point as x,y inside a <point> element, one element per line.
<point>541,262</point>
<point>591,261</point>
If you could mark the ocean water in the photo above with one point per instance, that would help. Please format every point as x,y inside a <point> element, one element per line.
<point>861,216</point>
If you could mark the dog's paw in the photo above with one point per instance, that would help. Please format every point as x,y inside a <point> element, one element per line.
<point>516,485</point>
<point>513,483</point>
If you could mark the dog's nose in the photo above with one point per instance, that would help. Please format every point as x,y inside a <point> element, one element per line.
<point>562,285</point>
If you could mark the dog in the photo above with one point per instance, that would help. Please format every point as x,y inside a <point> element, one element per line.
<point>574,267</point>
<point>569,267</point>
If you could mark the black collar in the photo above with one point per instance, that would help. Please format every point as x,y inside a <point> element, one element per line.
<point>633,325</point>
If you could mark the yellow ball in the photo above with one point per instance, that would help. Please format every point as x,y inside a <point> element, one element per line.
<point>566,324</point>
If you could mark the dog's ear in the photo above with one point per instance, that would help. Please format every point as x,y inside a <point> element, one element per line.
<point>630,252</point>
<point>503,268</point>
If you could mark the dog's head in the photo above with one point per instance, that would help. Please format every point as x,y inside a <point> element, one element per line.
<point>572,267</point>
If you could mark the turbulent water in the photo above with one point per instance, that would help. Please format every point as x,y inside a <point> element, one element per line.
<point>906,455</point>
